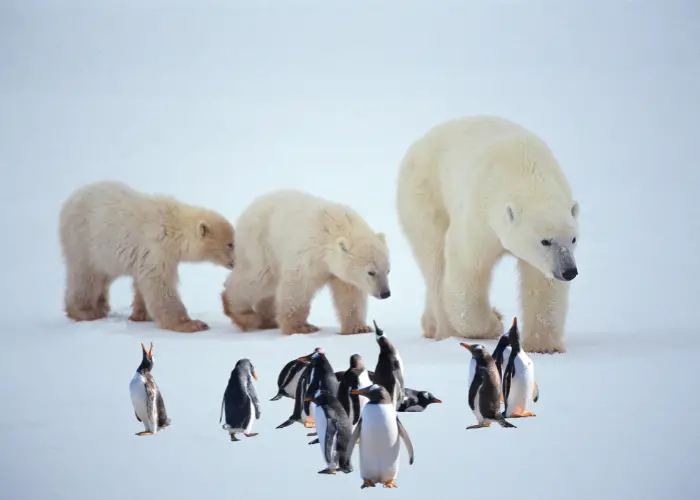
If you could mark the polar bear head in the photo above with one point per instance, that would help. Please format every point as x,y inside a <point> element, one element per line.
<point>545,237</point>
<point>213,240</point>
<point>363,262</point>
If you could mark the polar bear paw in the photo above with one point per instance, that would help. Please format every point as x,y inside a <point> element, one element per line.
<point>356,329</point>
<point>302,328</point>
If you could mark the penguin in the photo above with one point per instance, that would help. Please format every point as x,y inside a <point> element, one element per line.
<point>389,369</point>
<point>302,410</point>
<point>355,377</point>
<point>416,401</point>
<point>288,379</point>
<point>241,401</point>
<point>334,432</point>
<point>519,385</point>
<point>484,388</point>
<point>501,352</point>
<point>146,397</point>
<point>379,431</point>
<point>322,375</point>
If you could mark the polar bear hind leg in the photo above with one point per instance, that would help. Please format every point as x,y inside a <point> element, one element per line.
<point>87,294</point>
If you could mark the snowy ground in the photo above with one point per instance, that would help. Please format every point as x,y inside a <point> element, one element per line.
<point>615,419</point>
<point>218,102</point>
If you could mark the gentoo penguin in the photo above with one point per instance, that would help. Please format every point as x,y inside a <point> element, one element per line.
<point>389,370</point>
<point>322,375</point>
<point>501,351</point>
<point>241,401</point>
<point>302,410</point>
<point>484,388</point>
<point>288,379</point>
<point>379,430</point>
<point>416,401</point>
<point>355,377</point>
<point>146,397</point>
<point>519,386</point>
<point>334,432</point>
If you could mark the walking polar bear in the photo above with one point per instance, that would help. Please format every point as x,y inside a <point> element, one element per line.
<point>471,190</point>
<point>290,244</point>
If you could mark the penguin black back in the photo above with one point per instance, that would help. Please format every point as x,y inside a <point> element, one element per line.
<point>350,380</point>
<point>497,355</point>
<point>239,395</point>
<point>388,372</point>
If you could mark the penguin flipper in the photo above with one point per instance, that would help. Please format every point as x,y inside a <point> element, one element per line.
<point>331,437</point>
<point>474,388</point>
<point>278,396</point>
<point>536,393</point>
<point>354,438</point>
<point>315,441</point>
<point>407,440</point>
<point>137,417</point>
<point>286,423</point>
<point>355,402</point>
<point>507,379</point>
<point>221,415</point>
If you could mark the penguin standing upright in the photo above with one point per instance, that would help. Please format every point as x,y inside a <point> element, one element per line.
<point>389,370</point>
<point>501,352</point>
<point>484,388</point>
<point>379,431</point>
<point>302,411</point>
<point>355,377</point>
<point>322,377</point>
<point>519,385</point>
<point>240,401</point>
<point>146,397</point>
<point>334,432</point>
<point>288,379</point>
<point>416,401</point>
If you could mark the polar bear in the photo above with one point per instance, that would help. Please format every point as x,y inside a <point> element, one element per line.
<point>108,230</point>
<point>471,190</point>
<point>290,244</point>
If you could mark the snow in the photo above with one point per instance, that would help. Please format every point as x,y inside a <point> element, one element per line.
<point>217,102</point>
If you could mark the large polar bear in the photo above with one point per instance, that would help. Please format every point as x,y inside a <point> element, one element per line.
<point>289,244</point>
<point>471,190</point>
<point>108,230</point>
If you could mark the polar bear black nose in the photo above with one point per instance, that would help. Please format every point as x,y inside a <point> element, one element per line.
<point>570,274</point>
<point>385,294</point>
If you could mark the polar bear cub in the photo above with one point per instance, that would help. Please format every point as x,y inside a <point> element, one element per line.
<point>108,230</point>
<point>470,191</point>
<point>290,244</point>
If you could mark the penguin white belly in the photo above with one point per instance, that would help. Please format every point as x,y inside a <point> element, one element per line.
<point>291,386</point>
<point>364,381</point>
<point>137,390</point>
<point>522,384</point>
<point>379,443</point>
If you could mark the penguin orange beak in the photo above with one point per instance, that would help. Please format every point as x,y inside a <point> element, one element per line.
<point>303,358</point>
<point>255,376</point>
<point>307,399</point>
<point>437,400</point>
<point>467,346</point>
<point>357,392</point>
<point>150,350</point>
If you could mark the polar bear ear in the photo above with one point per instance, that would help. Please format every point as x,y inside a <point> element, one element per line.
<point>575,209</point>
<point>343,244</point>
<point>203,229</point>
<point>382,237</point>
<point>510,213</point>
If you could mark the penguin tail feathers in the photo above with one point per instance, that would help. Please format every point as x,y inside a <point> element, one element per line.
<point>278,396</point>
<point>286,423</point>
<point>504,423</point>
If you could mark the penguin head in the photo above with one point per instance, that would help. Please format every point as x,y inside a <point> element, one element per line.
<point>425,398</point>
<point>375,393</point>
<point>384,344</point>
<point>321,397</point>
<point>378,331</point>
<point>356,361</point>
<point>477,350</point>
<point>147,360</point>
<point>246,367</point>
<point>314,356</point>
<point>513,334</point>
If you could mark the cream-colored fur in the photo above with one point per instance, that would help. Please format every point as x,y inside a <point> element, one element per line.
<point>108,230</point>
<point>470,191</point>
<point>289,245</point>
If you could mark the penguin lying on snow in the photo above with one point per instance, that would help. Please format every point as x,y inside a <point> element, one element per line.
<point>484,388</point>
<point>334,432</point>
<point>379,431</point>
<point>417,401</point>
<point>519,385</point>
<point>389,370</point>
<point>146,397</point>
<point>302,410</point>
<point>288,379</point>
<point>241,401</point>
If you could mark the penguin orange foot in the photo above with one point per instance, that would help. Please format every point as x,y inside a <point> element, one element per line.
<point>234,438</point>
<point>252,434</point>
<point>391,484</point>
<point>144,433</point>
<point>523,414</point>
<point>367,484</point>
<point>327,471</point>
<point>310,423</point>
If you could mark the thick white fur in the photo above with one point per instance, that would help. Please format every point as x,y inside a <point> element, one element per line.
<point>289,245</point>
<point>470,191</point>
<point>108,230</point>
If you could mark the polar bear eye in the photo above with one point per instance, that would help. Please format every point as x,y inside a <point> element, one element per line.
<point>230,245</point>
<point>573,241</point>
<point>371,273</point>
<point>546,242</point>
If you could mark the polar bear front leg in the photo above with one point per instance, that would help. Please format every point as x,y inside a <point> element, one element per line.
<point>350,306</point>
<point>158,286</point>
<point>139,311</point>
<point>545,305</point>
<point>465,290</point>
<point>293,302</point>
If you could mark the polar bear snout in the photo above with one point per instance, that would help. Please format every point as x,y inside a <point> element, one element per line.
<point>385,294</point>
<point>565,268</point>
<point>569,274</point>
